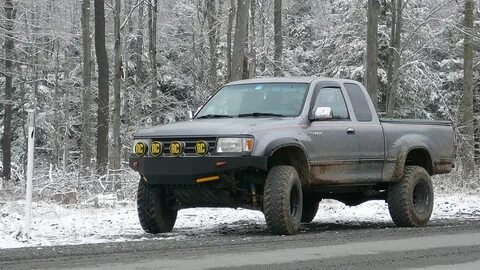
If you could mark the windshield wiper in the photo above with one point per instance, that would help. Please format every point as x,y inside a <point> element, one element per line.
<point>214,116</point>
<point>258,114</point>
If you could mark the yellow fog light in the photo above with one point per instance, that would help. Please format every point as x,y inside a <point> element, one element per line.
<point>201,148</point>
<point>156,148</point>
<point>176,148</point>
<point>140,148</point>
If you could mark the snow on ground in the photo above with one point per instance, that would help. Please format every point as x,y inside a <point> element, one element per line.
<point>69,225</point>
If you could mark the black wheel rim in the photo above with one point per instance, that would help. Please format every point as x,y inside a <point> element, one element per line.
<point>294,202</point>
<point>421,197</point>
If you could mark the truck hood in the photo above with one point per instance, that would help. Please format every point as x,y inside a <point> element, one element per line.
<point>215,127</point>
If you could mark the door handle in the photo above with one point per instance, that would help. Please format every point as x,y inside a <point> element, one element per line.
<point>350,131</point>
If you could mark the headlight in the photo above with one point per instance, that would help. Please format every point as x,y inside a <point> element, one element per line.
<point>235,145</point>
<point>140,147</point>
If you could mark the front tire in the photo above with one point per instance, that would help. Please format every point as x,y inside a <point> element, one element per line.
<point>283,200</point>
<point>154,213</point>
<point>310,209</point>
<point>410,201</point>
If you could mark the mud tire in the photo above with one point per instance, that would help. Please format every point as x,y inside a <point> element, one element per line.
<point>283,200</point>
<point>153,211</point>
<point>410,201</point>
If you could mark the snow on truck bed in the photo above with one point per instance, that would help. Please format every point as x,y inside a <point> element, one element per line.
<point>54,224</point>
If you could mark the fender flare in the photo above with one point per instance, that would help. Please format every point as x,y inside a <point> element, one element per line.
<point>402,159</point>
<point>283,142</point>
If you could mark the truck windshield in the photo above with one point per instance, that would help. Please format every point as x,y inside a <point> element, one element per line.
<point>256,100</point>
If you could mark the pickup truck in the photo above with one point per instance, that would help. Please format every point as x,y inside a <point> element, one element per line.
<point>281,145</point>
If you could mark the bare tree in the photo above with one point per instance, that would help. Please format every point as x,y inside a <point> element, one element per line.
<point>117,142</point>
<point>139,46</point>
<point>239,40</point>
<point>231,17</point>
<point>394,57</point>
<point>253,48</point>
<point>152,30</point>
<point>212,40</point>
<point>86,92</point>
<point>278,38</point>
<point>262,23</point>
<point>7,121</point>
<point>103,87</point>
<point>371,78</point>
<point>467,114</point>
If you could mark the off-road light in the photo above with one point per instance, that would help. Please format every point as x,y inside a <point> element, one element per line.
<point>156,148</point>
<point>140,147</point>
<point>201,148</point>
<point>176,148</point>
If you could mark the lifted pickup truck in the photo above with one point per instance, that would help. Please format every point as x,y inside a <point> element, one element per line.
<point>282,145</point>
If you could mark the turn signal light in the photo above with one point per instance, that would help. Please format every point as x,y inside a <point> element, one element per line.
<point>248,144</point>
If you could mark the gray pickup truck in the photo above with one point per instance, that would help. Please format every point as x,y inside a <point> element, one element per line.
<point>281,145</point>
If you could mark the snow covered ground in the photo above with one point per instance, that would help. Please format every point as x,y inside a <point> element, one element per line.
<point>64,225</point>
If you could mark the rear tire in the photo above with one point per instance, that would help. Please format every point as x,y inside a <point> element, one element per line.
<point>283,200</point>
<point>410,201</point>
<point>309,211</point>
<point>154,213</point>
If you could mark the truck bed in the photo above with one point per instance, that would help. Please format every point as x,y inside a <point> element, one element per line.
<point>435,137</point>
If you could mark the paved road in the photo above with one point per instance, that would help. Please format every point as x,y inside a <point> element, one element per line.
<point>442,245</point>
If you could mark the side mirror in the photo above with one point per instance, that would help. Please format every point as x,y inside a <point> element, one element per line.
<point>189,115</point>
<point>322,114</point>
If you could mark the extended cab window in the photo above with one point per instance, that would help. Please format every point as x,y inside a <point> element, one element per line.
<point>332,97</point>
<point>359,102</point>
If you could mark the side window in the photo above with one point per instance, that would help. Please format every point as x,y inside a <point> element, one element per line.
<point>359,102</point>
<point>333,98</point>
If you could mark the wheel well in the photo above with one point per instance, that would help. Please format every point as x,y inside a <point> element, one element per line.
<point>294,156</point>
<point>420,157</point>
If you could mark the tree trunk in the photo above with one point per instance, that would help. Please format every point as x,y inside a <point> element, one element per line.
<point>86,93</point>
<point>394,76</point>
<point>103,87</point>
<point>66,111</point>
<point>278,38</point>
<point>59,122</point>
<point>261,64</point>
<point>371,78</point>
<point>467,116</point>
<point>127,94</point>
<point>231,17</point>
<point>7,121</point>
<point>117,143</point>
<point>139,47</point>
<point>57,111</point>
<point>212,41</point>
<point>152,30</point>
<point>391,52</point>
<point>253,49</point>
<point>239,40</point>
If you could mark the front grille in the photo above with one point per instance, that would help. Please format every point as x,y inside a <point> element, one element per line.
<point>189,149</point>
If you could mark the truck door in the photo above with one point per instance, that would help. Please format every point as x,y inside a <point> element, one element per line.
<point>334,147</point>
<point>369,133</point>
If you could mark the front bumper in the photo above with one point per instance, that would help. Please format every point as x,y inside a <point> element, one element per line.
<point>187,170</point>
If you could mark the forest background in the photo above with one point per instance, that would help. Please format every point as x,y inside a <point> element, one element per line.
<point>95,71</point>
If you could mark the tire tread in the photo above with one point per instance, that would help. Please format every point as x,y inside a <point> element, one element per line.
<point>153,215</point>
<point>275,194</point>
<point>398,198</point>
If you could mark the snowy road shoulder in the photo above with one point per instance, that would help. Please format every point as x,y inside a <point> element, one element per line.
<point>70,225</point>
